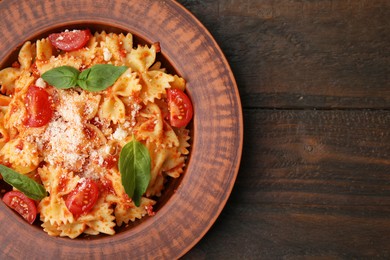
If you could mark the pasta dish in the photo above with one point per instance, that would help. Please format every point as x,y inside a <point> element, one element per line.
<point>91,128</point>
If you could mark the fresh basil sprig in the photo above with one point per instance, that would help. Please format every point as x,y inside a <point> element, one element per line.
<point>96,78</point>
<point>28,186</point>
<point>100,76</point>
<point>135,166</point>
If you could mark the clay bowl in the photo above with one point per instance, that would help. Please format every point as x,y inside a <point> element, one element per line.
<point>190,204</point>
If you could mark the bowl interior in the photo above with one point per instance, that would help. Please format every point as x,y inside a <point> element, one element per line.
<point>172,184</point>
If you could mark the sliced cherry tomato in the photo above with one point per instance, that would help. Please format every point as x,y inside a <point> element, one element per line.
<point>19,202</point>
<point>70,40</point>
<point>180,108</point>
<point>82,199</point>
<point>39,110</point>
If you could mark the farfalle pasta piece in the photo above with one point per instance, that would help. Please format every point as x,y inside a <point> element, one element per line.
<point>150,124</point>
<point>51,229</point>
<point>13,117</point>
<point>100,37</point>
<point>126,85</point>
<point>170,137</point>
<point>21,155</point>
<point>175,172</point>
<point>22,83</point>
<point>4,136</point>
<point>94,135</point>
<point>173,164</point>
<point>158,155</point>
<point>112,47</point>
<point>16,110</point>
<point>124,214</point>
<point>118,195</point>
<point>113,108</point>
<point>8,77</point>
<point>71,230</point>
<point>90,54</point>
<point>100,219</point>
<point>141,58</point>
<point>91,105</point>
<point>154,85</point>
<point>58,182</point>
<point>183,136</point>
<point>127,42</point>
<point>157,66</point>
<point>125,210</point>
<point>54,211</point>
<point>44,50</point>
<point>26,55</point>
<point>178,82</point>
<point>54,62</point>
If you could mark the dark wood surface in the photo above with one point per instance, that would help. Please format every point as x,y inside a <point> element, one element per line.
<point>314,82</point>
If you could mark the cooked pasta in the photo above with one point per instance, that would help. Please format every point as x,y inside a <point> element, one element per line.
<point>88,129</point>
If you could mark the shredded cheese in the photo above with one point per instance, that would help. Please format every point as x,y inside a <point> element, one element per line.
<point>107,55</point>
<point>40,83</point>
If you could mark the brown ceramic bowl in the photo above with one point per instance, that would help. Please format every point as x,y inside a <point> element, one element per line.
<point>189,205</point>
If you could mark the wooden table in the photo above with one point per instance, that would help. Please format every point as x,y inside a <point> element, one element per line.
<point>314,81</point>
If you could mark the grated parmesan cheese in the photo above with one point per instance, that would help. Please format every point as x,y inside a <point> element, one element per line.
<point>107,149</point>
<point>107,55</point>
<point>65,135</point>
<point>135,109</point>
<point>40,83</point>
<point>119,134</point>
<point>64,140</point>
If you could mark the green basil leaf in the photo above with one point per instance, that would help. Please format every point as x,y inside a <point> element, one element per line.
<point>100,76</point>
<point>28,186</point>
<point>135,166</point>
<point>63,77</point>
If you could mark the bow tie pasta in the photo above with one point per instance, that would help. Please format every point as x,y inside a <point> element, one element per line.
<point>69,139</point>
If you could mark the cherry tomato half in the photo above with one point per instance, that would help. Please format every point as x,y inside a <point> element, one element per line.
<point>39,110</point>
<point>70,40</point>
<point>180,108</point>
<point>19,202</point>
<point>82,199</point>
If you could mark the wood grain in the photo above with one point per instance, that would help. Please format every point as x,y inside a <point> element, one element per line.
<point>302,54</point>
<point>311,184</point>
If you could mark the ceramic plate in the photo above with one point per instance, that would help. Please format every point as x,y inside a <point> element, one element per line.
<point>188,206</point>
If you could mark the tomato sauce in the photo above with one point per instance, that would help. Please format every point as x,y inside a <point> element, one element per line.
<point>110,161</point>
<point>105,186</point>
<point>89,133</point>
<point>95,121</point>
<point>62,183</point>
<point>20,145</point>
